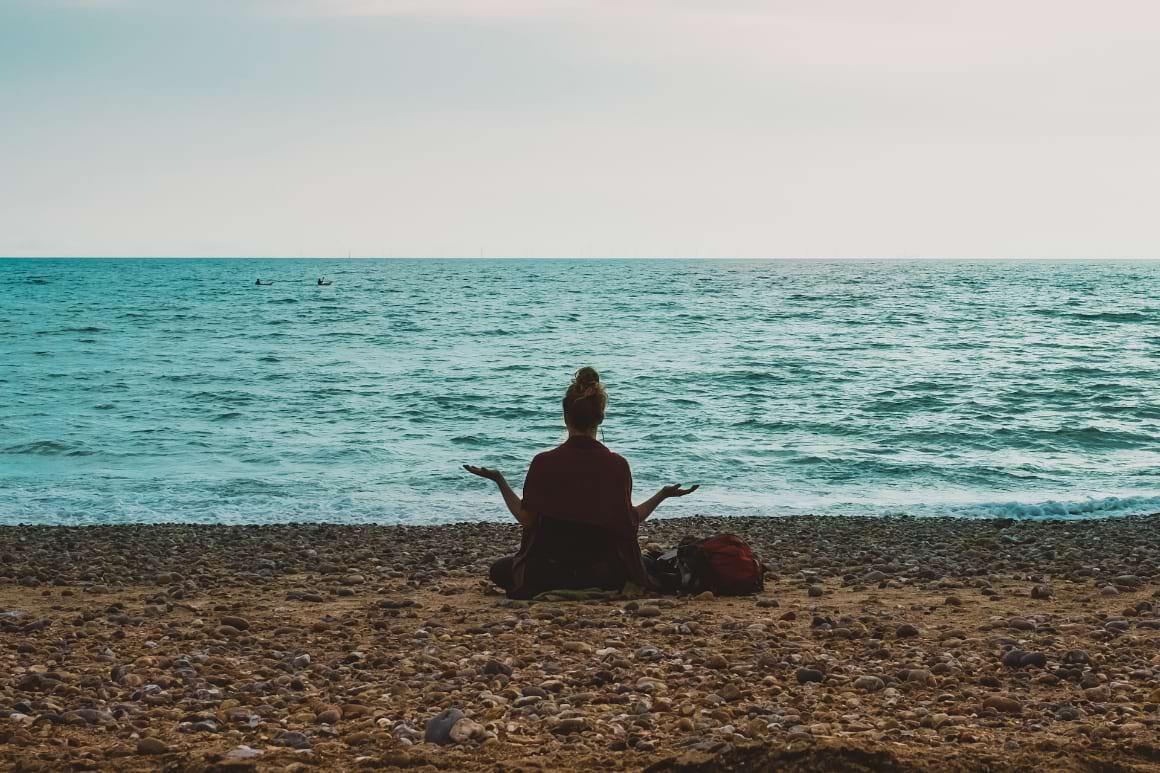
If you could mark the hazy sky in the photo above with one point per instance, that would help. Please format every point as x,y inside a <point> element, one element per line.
<point>595,127</point>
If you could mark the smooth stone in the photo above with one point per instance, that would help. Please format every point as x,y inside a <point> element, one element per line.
<point>494,666</point>
<point>243,752</point>
<point>805,675</point>
<point>152,746</point>
<point>571,725</point>
<point>1012,658</point>
<point>1003,705</point>
<point>1018,658</point>
<point>1098,694</point>
<point>439,727</point>
<point>731,693</point>
<point>291,739</point>
<point>464,730</point>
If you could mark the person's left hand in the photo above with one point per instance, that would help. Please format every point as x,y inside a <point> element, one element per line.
<point>675,490</point>
<point>484,472</point>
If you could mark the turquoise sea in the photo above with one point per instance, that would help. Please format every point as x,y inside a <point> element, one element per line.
<point>177,390</point>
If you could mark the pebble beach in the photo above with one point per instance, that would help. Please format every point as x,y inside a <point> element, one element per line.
<point>897,643</point>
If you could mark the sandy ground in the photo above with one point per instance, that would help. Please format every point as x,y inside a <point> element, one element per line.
<point>896,644</point>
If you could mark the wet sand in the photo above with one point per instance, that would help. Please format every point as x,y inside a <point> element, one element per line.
<point>894,644</point>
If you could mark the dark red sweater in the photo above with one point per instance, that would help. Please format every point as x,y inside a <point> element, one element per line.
<point>584,533</point>
<point>583,482</point>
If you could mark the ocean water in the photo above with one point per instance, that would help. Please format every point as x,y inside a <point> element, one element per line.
<point>176,390</point>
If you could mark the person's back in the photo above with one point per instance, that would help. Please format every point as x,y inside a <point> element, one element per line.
<point>579,523</point>
<point>585,533</point>
<point>583,482</point>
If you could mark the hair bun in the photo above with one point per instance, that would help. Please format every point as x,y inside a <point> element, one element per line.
<point>586,377</point>
<point>585,400</point>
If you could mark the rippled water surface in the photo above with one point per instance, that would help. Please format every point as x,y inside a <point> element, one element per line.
<point>177,390</point>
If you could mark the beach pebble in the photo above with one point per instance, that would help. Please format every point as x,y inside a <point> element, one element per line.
<point>243,753</point>
<point>1076,657</point>
<point>152,746</point>
<point>291,739</point>
<point>869,683</point>
<point>918,676</point>
<point>493,666</point>
<point>466,730</point>
<point>1017,658</point>
<point>302,595</point>
<point>1003,705</point>
<point>88,717</point>
<point>716,662</point>
<point>905,631</point>
<point>805,675</point>
<point>570,725</point>
<point>439,727</point>
<point>1099,693</point>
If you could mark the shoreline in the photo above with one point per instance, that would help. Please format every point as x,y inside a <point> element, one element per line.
<point>877,641</point>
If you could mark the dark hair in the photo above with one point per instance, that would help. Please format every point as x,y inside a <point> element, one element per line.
<point>585,400</point>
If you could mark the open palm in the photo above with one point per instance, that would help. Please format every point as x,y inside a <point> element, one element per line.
<point>484,472</point>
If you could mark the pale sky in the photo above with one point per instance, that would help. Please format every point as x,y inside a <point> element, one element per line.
<point>988,128</point>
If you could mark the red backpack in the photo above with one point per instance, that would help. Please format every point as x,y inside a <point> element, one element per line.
<point>723,563</point>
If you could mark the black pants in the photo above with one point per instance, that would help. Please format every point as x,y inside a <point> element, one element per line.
<point>552,577</point>
<point>501,573</point>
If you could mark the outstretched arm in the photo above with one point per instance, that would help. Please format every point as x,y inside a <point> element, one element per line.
<point>645,508</point>
<point>514,504</point>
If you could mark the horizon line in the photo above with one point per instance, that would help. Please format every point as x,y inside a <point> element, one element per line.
<point>582,258</point>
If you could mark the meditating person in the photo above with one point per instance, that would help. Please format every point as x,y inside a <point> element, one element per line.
<point>579,523</point>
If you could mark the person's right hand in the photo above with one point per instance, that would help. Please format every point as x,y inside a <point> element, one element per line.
<point>675,490</point>
<point>484,472</point>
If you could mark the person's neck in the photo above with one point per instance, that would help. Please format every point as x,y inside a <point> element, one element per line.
<point>588,433</point>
